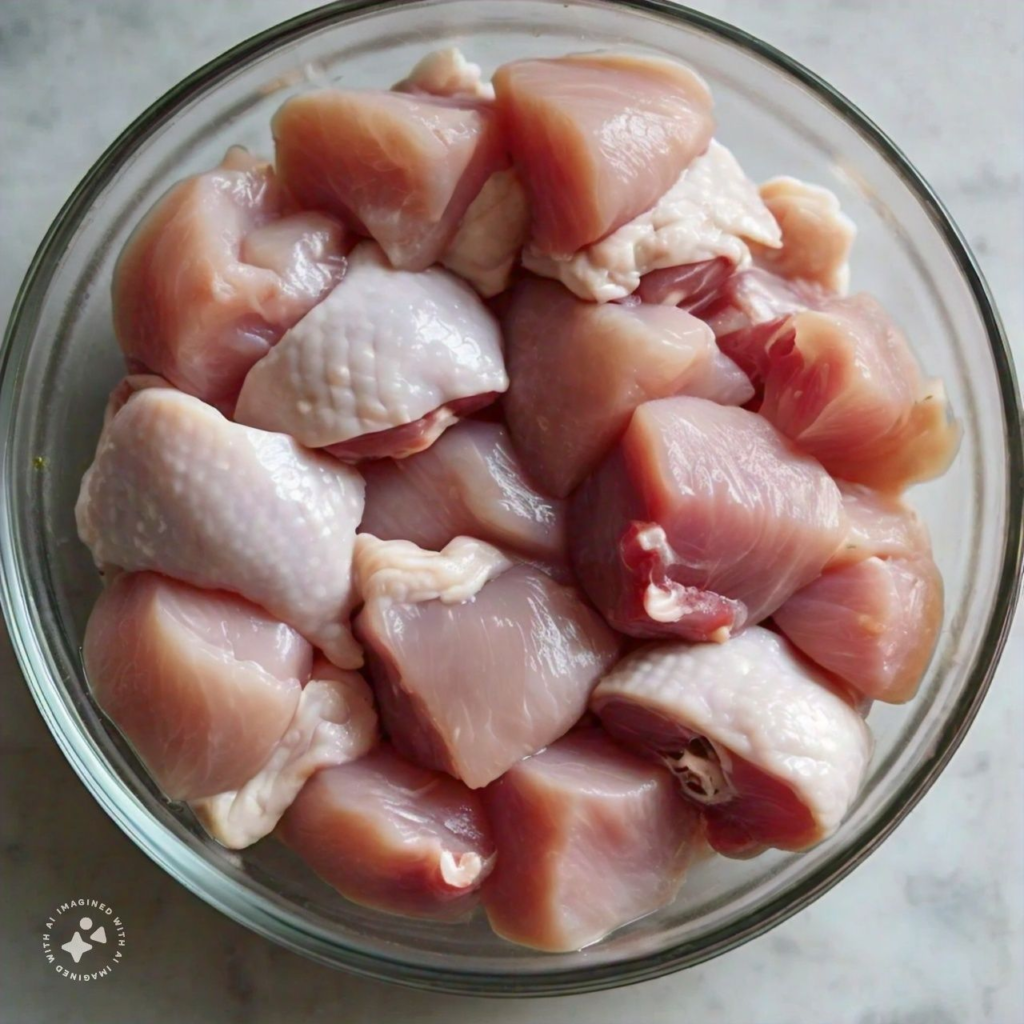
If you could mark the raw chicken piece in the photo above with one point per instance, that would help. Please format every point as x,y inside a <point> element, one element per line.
<point>756,736</point>
<point>400,168</point>
<point>491,235</point>
<point>391,835</point>
<point>334,723</point>
<point>754,297</point>
<point>873,623</point>
<point>874,615</point>
<point>721,381</point>
<point>487,244</point>
<point>446,72</point>
<point>843,384</point>
<point>692,285</point>
<point>475,664</point>
<point>201,683</point>
<point>598,139</point>
<point>470,482</point>
<point>578,370</point>
<point>177,488</point>
<point>816,235</point>
<point>703,520</point>
<point>386,349</point>
<point>879,525</point>
<point>215,273</point>
<point>710,212</point>
<point>589,837</point>
<point>749,310</point>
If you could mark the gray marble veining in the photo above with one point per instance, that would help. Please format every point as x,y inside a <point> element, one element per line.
<point>929,931</point>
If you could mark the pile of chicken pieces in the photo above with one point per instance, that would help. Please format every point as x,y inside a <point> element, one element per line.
<point>502,504</point>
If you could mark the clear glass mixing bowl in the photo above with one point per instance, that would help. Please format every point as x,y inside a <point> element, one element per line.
<point>60,360</point>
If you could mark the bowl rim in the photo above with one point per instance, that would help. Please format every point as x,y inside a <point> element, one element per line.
<point>269,918</point>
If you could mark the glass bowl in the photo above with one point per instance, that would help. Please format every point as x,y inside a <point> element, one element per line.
<point>60,361</point>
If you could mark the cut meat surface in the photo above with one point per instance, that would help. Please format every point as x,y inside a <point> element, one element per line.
<point>400,168</point>
<point>748,311</point>
<point>816,235</point>
<point>756,735</point>
<point>711,212</point>
<point>391,835</point>
<point>202,683</point>
<point>692,285</point>
<point>386,349</point>
<point>578,370</point>
<point>334,723</point>
<point>598,139</point>
<point>843,384</point>
<point>590,837</point>
<point>470,483</point>
<point>177,488</point>
<point>873,616</point>
<point>486,246</point>
<point>475,664</point>
<point>878,525</point>
<point>703,520</point>
<point>216,272</point>
<point>873,623</point>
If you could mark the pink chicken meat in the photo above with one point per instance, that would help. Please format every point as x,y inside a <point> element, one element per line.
<point>470,482</point>
<point>589,837</point>
<point>391,835</point>
<point>816,235</point>
<point>838,378</point>
<point>334,723</point>
<point>759,738</point>
<point>476,663</point>
<point>711,214</point>
<point>400,168</point>
<point>202,683</point>
<point>578,370</point>
<point>874,614</point>
<point>382,366</point>
<point>177,488</point>
<point>216,272</point>
<point>598,139</point>
<point>702,520</point>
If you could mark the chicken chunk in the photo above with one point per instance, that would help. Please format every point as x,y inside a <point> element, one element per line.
<point>470,483</point>
<point>690,285</point>
<point>703,520</point>
<point>598,139</point>
<point>216,272</point>
<point>842,383</point>
<point>748,310</point>
<point>873,616</point>
<point>475,664</point>
<point>816,235</point>
<point>757,737</point>
<point>589,837</point>
<point>400,168</point>
<point>378,367</point>
<point>711,212</point>
<point>878,525</point>
<point>334,723</point>
<point>578,370</point>
<point>393,836</point>
<point>486,246</point>
<point>201,683</point>
<point>177,488</point>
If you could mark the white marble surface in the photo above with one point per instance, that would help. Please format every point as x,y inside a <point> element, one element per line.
<point>929,931</point>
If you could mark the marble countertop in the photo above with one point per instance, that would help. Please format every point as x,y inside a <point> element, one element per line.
<point>928,931</point>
